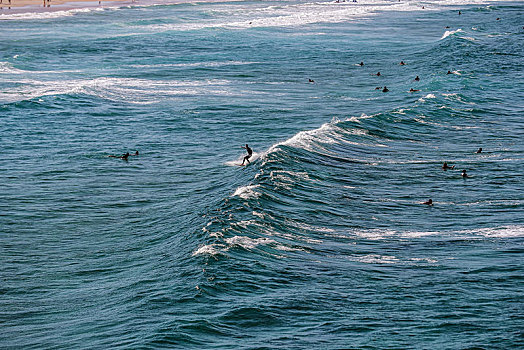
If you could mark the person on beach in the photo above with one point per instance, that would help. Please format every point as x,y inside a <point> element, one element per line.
<point>428,202</point>
<point>479,150</point>
<point>385,89</point>
<point>445,166</point>
<point>417,78</point>
<point>464,174</point>
<point>249,154</point>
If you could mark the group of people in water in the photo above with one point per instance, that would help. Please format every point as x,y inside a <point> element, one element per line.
<point>385,89</point>
<point>445,167</point>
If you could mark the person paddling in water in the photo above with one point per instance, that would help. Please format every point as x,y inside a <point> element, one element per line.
<point>123,156</point>
<point>249,154</point>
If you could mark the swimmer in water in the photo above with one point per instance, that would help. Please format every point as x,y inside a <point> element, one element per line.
<point>311,81</point>
<point>136,154</point>
<point>417,78</point>
<point>449,72</point>
<point>123,156</point>
<point>361,64</point>
<point>479,150</point>
<point>413,90</point>
<point>249,154</point>
<point>428,202</point>
<point>445,166</point>
<point>378,88</point>
<point>378,74</point>
<point>385,89</point>
<point>464,174</point>
<point>402,63</point>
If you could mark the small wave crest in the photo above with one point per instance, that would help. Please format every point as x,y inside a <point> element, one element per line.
<point>247,192</point>
<point>7,68</point>
<point>428,96</point>
<point>450,32</point>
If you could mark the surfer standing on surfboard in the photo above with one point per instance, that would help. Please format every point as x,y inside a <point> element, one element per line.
<point>249,154</point>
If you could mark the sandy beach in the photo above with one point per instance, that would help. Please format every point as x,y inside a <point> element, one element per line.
<point>19,6</point>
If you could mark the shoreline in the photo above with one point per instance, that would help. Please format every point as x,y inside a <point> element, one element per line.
<point>40,6</point>
<point>46,6</point>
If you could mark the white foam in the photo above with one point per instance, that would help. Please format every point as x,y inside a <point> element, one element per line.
<point>428,96</point>
<point>292,15</point>
<point>238,161</point>
<point>134,91</point>
<point>248,243</point>
<point>49,14</point>
<point>450,32</point>
<point>7,68</point>
<point>209,249</point>
<point>247,192</point>
<point>512,231</point>
<point>259,215</point>
<point>377,259</point>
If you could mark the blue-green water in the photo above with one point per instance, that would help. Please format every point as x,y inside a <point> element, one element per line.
<point>322,242</point>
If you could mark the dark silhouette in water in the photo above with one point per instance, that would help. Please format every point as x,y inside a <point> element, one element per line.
<point>464,174</point>
<point>378,74</point>
<point>361,64</point>
<point>249,154</point>
<point>417,78</point>
<point>311,81</point>
<point>428,202</point>
<point>402,63</point>
<point>123,156</point>
<point>479,150</point>
<point>413,90</point>
<point>445,166</point>
<point>385,89</point>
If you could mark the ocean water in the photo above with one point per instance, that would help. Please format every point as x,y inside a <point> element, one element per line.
<point>322,241</point>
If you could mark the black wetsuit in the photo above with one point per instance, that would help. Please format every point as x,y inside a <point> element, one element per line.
<point>249,154</point>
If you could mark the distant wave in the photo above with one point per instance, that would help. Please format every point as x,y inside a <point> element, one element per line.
<point>134,91</point>
<point>50,14</point>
